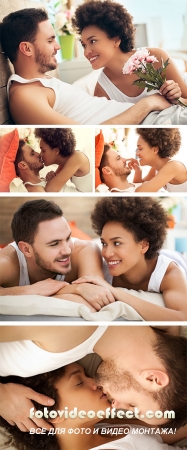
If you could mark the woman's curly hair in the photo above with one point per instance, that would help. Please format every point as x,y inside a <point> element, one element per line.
<point>61,138</point>
<point>110,17</point>
<point>168,140</point>
<point>44,384</point>
<point>144,217</point>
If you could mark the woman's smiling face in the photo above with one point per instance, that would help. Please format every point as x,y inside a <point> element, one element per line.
<point>99,49</point>
<point>120,250</point>
<point>77,390</point>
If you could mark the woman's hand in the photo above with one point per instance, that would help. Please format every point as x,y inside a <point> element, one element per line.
<point>171,91</point>
<point>133,164</point>
<point>50,175</point>
<point>92,279</point>
<point>90,289</point>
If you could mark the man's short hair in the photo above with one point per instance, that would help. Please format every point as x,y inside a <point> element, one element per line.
<point>20,26</point>
<point>61,138</point>
<point>172,350</point>
<point>144,217</point>
<point>19,156</point>
<point>27,218</point>
<point>168,140</point>
<point>104,162</point>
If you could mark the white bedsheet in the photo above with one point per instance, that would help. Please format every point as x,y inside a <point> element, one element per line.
<point>35,304</point>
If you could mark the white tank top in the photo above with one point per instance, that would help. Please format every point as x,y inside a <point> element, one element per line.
<point>157,275</point>
<point>115,94</point>
<point>41,183</point>
<point>24,276</point>
<point>75,103</point>
<point>24,358</point>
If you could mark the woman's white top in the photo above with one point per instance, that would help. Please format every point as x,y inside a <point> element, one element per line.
<point>157,275</point>
<point>115,94</point>
<point>84,183</point>
<point>25,358</point>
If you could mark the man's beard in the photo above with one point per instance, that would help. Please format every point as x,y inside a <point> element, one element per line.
<point>35,167</point>
<point>43,61</point>
<point>48,266</point>
<point>116,377</point>
<point>121,173</point>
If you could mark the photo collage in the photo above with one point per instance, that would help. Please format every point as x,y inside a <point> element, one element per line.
<point>93,225</point>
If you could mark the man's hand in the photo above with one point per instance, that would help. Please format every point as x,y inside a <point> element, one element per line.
<point>97,294</point>
<point>158,102</point>
<point>15,405</point>
<point>46,287</point>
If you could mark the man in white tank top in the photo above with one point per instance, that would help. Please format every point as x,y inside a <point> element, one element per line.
<point>43,259</point>
<point>114,172</point>
<point>46,100</point>
<point>28,164</point>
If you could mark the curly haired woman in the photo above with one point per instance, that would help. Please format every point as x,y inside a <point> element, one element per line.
<point>155,148</point>
<point>132,232</point>
<point>107,36</point>
<point>58,147</point>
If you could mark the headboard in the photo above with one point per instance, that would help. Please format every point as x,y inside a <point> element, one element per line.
<point>6,7</point>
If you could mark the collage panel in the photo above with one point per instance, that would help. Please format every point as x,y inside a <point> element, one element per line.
<point>46,159</point>
<point>140,160</point>
<point>104,387</point>
<point>101,258</point>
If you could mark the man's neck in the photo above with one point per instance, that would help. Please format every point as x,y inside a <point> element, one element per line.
<point>28,71</point>
<point>30,176</point>
<point>118,183</point>
<point>37,273</point>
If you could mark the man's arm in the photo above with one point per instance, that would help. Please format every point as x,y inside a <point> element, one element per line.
<point>34,108</point>
<point>137,113</point>
<point>37,108</point>
<point>9,278</point>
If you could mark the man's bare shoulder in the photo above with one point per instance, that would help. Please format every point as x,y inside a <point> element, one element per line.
<point>9,267</point>
<point>35,105</point>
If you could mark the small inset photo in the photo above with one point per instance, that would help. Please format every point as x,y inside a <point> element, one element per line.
<point>140,160</point>
<point>46,160</point>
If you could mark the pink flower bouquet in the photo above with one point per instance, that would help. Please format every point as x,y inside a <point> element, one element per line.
<point>141,64</point>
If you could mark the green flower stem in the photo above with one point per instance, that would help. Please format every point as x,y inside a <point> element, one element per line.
<point>181,103</point>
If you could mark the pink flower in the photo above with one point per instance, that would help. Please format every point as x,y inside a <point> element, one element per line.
<point>151,59</point>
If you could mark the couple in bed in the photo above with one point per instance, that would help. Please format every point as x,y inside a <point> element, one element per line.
<point>58,146</point>
<point>44,261</point>
<point>141,371</point>
<point>28,40</point>
<point>155,148</point>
